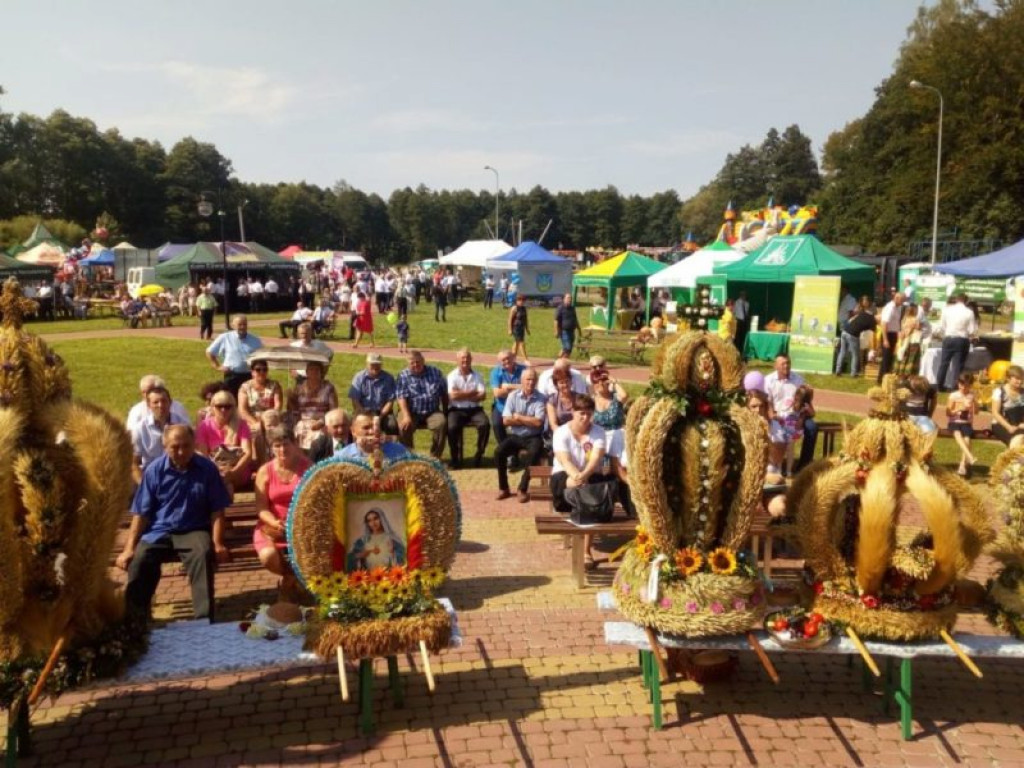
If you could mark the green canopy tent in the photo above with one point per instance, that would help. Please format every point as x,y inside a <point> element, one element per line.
<point>206,259</point>
<point>622,271</point>
<point>768,274</point>
<point>23,271</point>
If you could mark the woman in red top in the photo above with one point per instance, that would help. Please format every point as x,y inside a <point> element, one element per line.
<point>275,484</point>
<point>364,318</point>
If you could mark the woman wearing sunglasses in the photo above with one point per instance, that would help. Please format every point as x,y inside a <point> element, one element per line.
<point>255,397</point>
<point>227,439</point>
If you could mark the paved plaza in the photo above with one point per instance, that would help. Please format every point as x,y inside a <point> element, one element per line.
<point>533,685</point>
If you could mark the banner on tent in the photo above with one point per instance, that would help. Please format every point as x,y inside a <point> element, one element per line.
<point>1017,356</point>
<point>813,323</point>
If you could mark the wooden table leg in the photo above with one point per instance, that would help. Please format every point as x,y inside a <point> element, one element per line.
<point>394,682</point>
<point>578,565</point>
<point>366,695</point>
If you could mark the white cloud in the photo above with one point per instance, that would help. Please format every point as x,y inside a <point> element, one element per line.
<point>230,91</point>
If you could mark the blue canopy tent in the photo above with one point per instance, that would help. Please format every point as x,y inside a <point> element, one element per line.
<point>104,258</point>
<point>1006,262</point>
<point>542,274</point>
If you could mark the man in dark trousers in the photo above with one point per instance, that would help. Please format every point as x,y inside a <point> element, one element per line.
<point>567,325</point>
<point>178,513</point>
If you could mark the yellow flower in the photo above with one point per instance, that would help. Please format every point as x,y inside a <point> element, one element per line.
<point>688,561</point>
<point>317,584</point>
<point>641,535</point>
<point>722,561</point>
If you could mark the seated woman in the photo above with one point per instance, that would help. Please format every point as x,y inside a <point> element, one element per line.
<point>206,393</point>
<point>559,406</point>
<point>275,484</point>
<point>308,403</point>
<point>920,404</point>
<point>579,450</point>
<point>259,394</point>
<point>1008,408</point>
<point>227,440</point>
<point>757,401</point>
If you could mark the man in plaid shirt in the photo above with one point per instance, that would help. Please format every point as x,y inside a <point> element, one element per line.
<point>422,395</point>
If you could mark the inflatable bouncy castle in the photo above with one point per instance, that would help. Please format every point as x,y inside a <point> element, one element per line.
<point>752,229</point>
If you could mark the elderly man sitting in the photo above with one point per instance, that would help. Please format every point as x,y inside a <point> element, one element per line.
<point>422,394</point>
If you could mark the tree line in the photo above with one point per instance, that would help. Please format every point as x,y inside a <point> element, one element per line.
<point>874,187</point>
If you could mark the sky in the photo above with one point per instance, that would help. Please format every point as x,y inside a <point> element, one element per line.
<point>648,95</point>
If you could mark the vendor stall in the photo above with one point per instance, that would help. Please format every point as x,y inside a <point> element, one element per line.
<point>622,271</point>
<point>978,359</point>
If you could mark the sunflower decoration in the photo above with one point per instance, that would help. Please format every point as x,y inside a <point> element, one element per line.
<point>373,542</point>
<point>869,564</point>
<point>1005,591</point>
<point>695,492</point>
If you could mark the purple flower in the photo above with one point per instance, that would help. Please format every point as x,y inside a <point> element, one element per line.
<point>740,605</point>
<point>691,607</point>
<point>625,589</point>
<point>717,607</point>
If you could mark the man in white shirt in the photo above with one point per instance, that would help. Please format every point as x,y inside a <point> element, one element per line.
<point>958,326</point>
<point>270,290</point>
<point>892,316</point>
<point>466,394</point>
<point>140,410</point>
<point>546,384</point>
<point>781,386</point>
<point>242,295</point>
<point>255,295</point>
<point>302,314</point>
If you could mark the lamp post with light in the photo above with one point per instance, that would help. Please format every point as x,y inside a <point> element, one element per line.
<point>497,193</point>
<point>205,208</point>
<point>938,165</point>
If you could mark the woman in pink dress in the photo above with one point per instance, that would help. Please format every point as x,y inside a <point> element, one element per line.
<point>226,438</point>
<point>364,319</point>
<point>275,484</point>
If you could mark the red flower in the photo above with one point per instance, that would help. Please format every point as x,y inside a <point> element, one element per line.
<point>862,476</point>
<point>869,601</point>
<point>927,602</point>
<point>704,408</point>
<point>818,587</point>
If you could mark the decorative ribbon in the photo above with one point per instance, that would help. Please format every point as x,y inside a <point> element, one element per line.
<point>652,578</point>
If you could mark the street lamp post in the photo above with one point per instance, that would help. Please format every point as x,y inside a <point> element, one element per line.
<point>205,209</point>
<point>938,166</point>
<point>241,222</point>
<point>497,194</point>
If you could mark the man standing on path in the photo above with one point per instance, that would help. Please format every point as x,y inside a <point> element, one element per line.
<point>504,380</point>
<point>892,317</point>
<point>957,325</point>
<point>207,306</point>
<point>178,513</point>
<point>524,419</point>
<point>781,386</point>
<point>741,311</point>
<point>230,352</point>
<point>567,325</point>
<point>466,394</point>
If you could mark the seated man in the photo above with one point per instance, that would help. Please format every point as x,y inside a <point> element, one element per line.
<point>332,440</point>
<point>422,395</point>
<point>323,317</point>
<point>466,393</point>
<point>178,512</point>
<point>524,420</point>
<point>302,314</point>
<point>140,410</point>
<point>373,391</point>
<point>366,438</point>
<point>148,433</point>
<point>504,380</point>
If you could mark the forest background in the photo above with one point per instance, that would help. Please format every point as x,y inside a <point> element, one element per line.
<point>874,183</point>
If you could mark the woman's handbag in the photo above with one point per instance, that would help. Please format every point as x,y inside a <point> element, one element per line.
<point>593,503</point>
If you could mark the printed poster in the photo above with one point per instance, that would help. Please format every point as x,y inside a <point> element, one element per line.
<point>813,325</point>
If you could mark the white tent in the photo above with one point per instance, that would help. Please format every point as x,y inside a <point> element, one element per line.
<point>685,273</point>
<point>475,253</point>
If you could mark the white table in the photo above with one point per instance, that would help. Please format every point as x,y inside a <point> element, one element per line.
<point>978,359</point>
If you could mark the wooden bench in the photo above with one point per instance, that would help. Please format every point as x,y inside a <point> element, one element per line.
<point>619,343</point>
<point>559,525</point>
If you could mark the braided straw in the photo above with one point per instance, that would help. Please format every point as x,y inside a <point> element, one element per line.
<point>647,470</point>
<point>745,499</point>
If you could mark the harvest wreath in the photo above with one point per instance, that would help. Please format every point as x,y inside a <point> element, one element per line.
<point>373,541</point>
<point>1005,591</point>
<point>695,492</point>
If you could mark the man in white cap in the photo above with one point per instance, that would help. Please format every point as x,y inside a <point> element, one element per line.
<point>373,391</point>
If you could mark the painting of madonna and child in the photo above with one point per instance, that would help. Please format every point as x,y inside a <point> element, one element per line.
<point>376,530</point>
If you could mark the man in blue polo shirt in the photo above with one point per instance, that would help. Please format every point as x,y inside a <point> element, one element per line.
<point>178,512</point>
<point>373,391</point>
<point>230,352</point>
<point>504,380</point>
